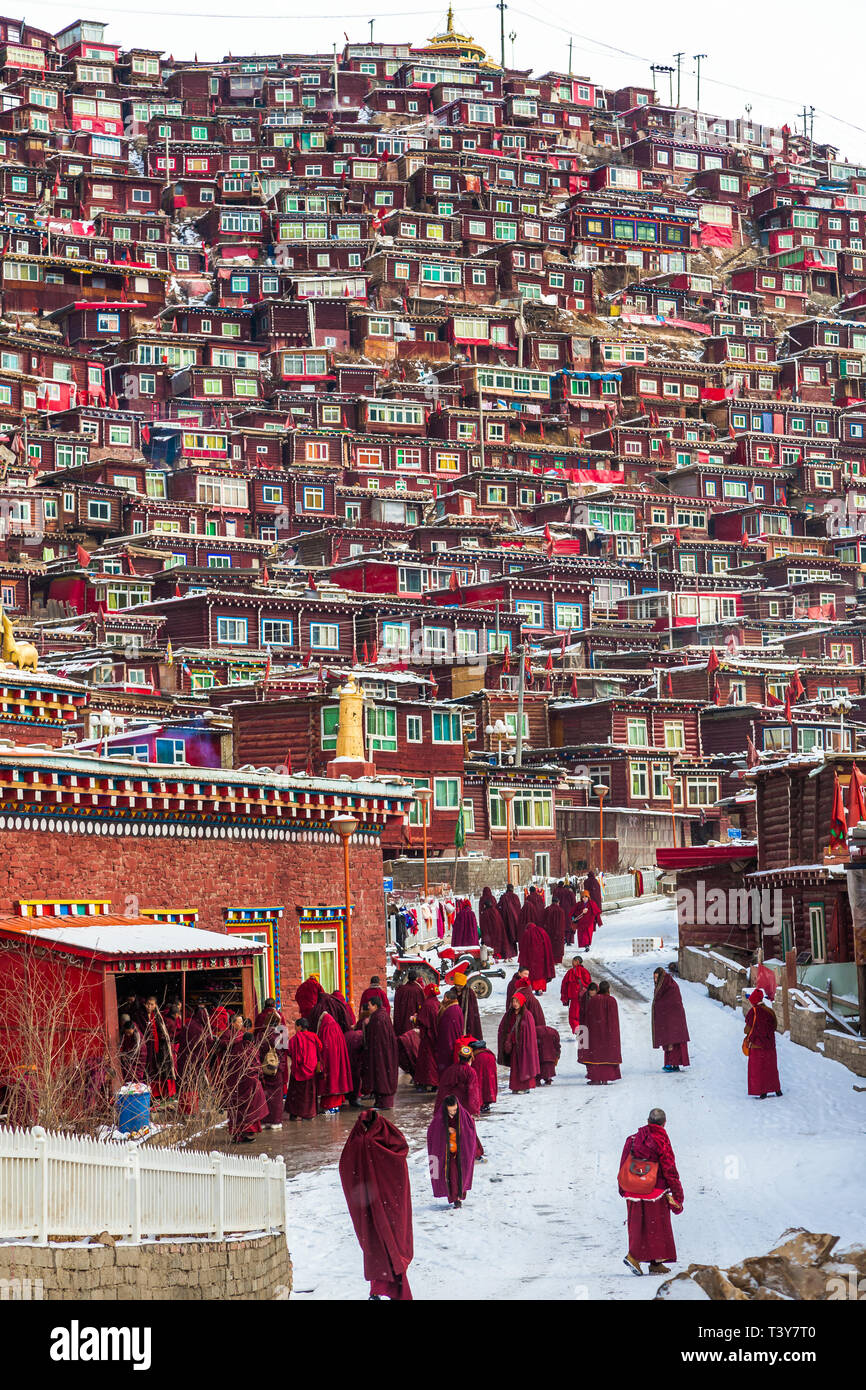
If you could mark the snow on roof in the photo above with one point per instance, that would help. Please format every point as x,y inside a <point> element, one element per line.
<point>143,938</point>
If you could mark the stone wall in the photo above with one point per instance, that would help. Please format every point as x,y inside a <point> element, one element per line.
<point>210,874</point>
<point>251,1268</point>
<point>472,874</point>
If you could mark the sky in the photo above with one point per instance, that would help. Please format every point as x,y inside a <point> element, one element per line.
<point>775,59</point>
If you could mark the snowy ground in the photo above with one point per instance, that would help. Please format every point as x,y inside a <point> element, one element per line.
<point>544,1218</point>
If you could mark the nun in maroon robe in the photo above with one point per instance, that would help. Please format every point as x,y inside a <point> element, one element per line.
<point>568,903</point>
<point>452,1146</point>
<point>461,1080</point>
<point>465,929</point>
<point>450,1027</point>
<point>247,1106</point>
<point>602,1053</point>
<point>521,981</point>
<point>159,1061</point>
<point>334,1081</point>
<point>520,1046</point>
<point>380,1070</point>
<point>760,1031</point>
<point>374,1173</point>
<point>131,1054</point>
<point>549,1049</point>
<point>669,1028</point>
<point>575,982</point>
<point>650,1236</point>
<point>341,1010</point>
<point>536,954</point>
<point>554,925</point>
<point>272,1038</point>
<point>408,1044</point>
<point>468,1001</point>
<point>408,999</point>
<point>377,994</point>
<point>592,886</point>
<point>426,1072</point>
<point>492,927</point>
<point>484,1063</point>
<point>305,1055</point>
<point>509,911</point>
<point>307,995</point>
<point>587,921</point>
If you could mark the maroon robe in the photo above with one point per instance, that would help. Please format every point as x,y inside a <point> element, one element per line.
<point>307,995</point>
<point>379,1062</point>
<point>519,982</point>
<point>335,1079</point>
<point>536,955</point>
<point>650,1236</point>
<point>468,1001</point>
<point>484,1063</point>
<point>131,1057</point>
<point>586,922</point>
<point>763,1069</point>
<point>341,1010</point>
<point>408,999</point>
<point>603,1053</point>
<point>509,910</point>
<point>574,982</point>
<point>450,1028</point>
<point>465,929</point>
<point>520,1049</point>
<point>408,1044</point>
<point>377,993</point>
<point>593,888</point>
<point>375,1177</point>
<point>274,1086</point>
<point>426,1067</point>
<point>567,901</point>
<point>549,1049</point>
<point>159,1063</point>
<point>305,1054</point>
<point>246,1105</point>
<point>492,927</point>
<point>354,1040</point>
<point>669,1028</point>
<point>460,1080</point>
<point>554,925</point>
<point>451,1174</point>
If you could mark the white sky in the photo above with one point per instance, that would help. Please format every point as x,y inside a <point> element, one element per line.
<point>786,57</point>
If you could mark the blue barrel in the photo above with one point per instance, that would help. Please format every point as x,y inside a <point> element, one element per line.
<point>133,1112</point>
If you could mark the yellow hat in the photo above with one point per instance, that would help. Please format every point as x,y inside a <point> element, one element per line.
<point>460,979</point>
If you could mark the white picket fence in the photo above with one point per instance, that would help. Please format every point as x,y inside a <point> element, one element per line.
<point>65,1185</point>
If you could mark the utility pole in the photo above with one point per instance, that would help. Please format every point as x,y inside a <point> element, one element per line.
<point>804,113</point>
<point>372,22</point>
<point>811,131</point>
<point>662,67</point>
<point>570,44</point>
<point>679,57</point>
<point>518,747</point>
<point>502,7</point>
<point>697,57</point>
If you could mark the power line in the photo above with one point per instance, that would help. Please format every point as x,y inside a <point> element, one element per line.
<point>198,14</point>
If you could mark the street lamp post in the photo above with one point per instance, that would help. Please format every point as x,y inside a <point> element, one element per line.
<point>499,731</point>
<point>673,782</point>
<point>601,792</point>
<point>345,826</point>
<point>423,795</point>
<point>507,794</point>
<point>842,706</point>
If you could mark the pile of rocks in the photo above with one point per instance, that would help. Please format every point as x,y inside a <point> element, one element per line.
<point>805,1266</point>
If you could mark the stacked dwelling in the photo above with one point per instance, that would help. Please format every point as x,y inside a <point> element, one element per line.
<point>535,407</point>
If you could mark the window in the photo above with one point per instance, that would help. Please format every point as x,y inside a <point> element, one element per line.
<point>675,733</point>
<point>325,636</point>
<point>277,632</point>
<point>314,499</point>
<point>382,728</point>
<point>272,494</point>
<point>446,793</point>
<point>329,723</point>
<point>446,727</point>
<point>817,932</point>
<point>232,631</point>
<point>636,733</point>
<point>414,728</point>
<point>99,511</point>
<point>531,612</point>
<point>701,790</point>
<point>568,616</point>
<point>638,782</point>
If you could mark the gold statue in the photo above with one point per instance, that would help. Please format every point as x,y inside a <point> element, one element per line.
<point>19,654</point>
<point>350,733</point>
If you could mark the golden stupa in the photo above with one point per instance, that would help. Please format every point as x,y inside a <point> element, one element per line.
<point>450,44</point>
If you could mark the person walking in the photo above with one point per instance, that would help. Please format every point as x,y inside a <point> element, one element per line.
<point>374,1173</point>
<point>669,1028</point>
<point>649,1182</point>
<point>759,1045</point>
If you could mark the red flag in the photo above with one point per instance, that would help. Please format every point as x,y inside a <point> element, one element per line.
<point>796,686</point>
<point>522,428</point>
<point>112,401</point>
<point>290,422</point>
<point>744,539</point>
<point>752,758</point>
<point>375,653</point>
<point>669,685</point>
<point>677,537</point>
<point>856,798</point>
<point>547,683</point>
<point>772,700</point>
<point>309,768</point>
<point>541,428</point>
<point>717,691</point>
<point>712,660</point>
<point>266,579</point>
<point>574,687</point>
<point>803,656</point>
<point>506,659</point>
<point>548,665</point>
<point>364,652</point>
<point>454,582</point>
<point>177,592</point>
<point>788,714</point>
<point>547,535</point>
<point>311,583</point>
<point>145,433</point>
<point>132,568</point>
<point>434,685</point>
<point>83,556</point>
<point>838,820</point>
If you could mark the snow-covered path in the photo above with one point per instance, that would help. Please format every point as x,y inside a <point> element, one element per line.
<point>544,1218</point>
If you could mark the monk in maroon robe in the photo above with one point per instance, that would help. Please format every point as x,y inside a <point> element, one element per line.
<point>587,920</point>
<point>465,929</point>
<point>159,1060</point>
<point>452,1147</point>
<point>379,1063</point>
<point>273,1040</point>
<point>334,1081</point>
<point>426,1074</point>
<point>549,1049</point>
<point>554,925</point>
<point>592,886</point>
<point>509,911</point>
<point>354,1041</point>
<point>247,1105</point>
<point>307,995</point>
<point>450,1027</point>
<point>305,1056</point>
<point>492,927</point>
<point>568,902</point>
<point>574,982</point>
<point>461,1080</point>
<point>522,982</point>
<point>341,1010</point>
<point>537,956</point>
<point>669,1027</point>
<point>376,993</point>
<point>374,1173</point>
<point>650,1236</point>
<point>131,1054</point>
<point>599,1049</point>
<point>408,1045</point>
<point>760,1031</point>
<point>468,1001</point>
<point>408,999</point>
<point>484,1063</point>
<point>520,1046</point>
